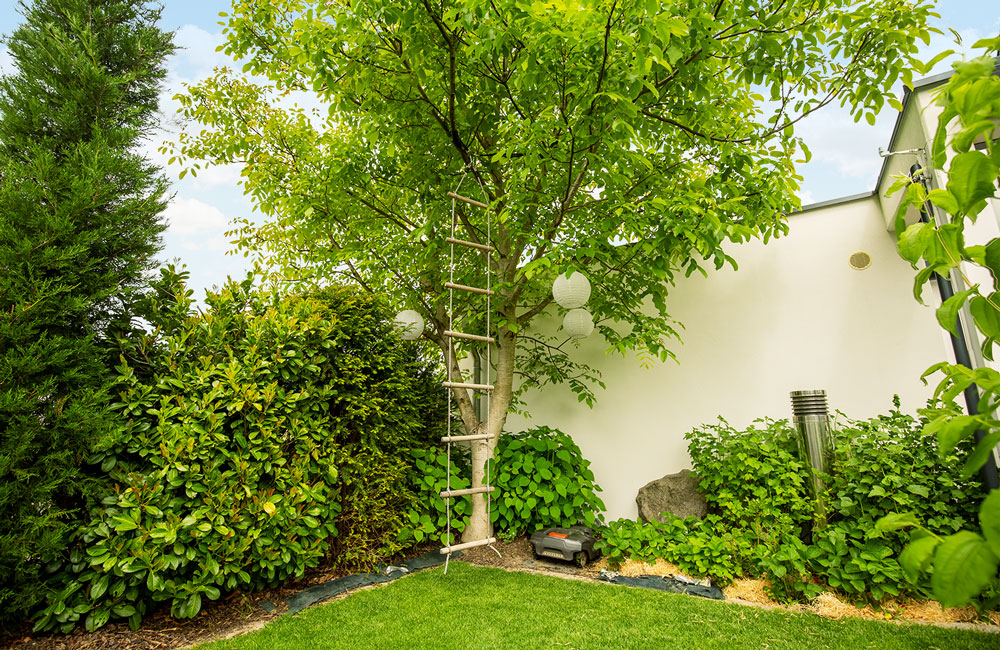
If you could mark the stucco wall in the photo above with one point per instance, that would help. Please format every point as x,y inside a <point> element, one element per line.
<point>795,316</point>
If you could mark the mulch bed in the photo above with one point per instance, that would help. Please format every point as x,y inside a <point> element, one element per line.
<point>239,613</point>
<point>234,614</point>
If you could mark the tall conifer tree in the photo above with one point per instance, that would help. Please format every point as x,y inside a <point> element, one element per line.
<point>79,228</point>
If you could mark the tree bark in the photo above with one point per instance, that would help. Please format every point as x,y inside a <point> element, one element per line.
<point>480,526</point>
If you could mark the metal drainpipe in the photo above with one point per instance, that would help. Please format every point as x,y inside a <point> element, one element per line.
<point>812,420</point>
<point>988,473</point>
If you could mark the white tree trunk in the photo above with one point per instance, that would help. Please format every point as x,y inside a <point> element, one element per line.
<point>480,526</point>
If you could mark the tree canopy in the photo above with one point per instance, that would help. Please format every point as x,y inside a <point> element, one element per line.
<point>630,139</point>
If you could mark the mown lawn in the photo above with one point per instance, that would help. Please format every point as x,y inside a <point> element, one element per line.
<point>475,607</point>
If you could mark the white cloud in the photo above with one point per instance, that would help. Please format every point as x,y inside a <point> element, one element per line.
<point>191,217</point>
<point>6,60</point>
<point>806,197</point>
<point>213,244</point>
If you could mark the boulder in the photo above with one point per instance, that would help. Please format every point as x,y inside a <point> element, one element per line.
<point>674,493</point>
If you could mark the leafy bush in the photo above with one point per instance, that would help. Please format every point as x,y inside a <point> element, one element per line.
<point>428,518</point>
<point>699,547</point>
<point>761,517</point>
<point>541,478</point>
<point>259,438</point>
<point>886,465</point>
<point>752,479</point>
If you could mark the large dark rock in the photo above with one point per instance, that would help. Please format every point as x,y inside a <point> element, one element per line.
<point>674,493</point>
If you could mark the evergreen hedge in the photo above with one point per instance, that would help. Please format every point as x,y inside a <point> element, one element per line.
<point>78,231</point>
<point>259,438</point>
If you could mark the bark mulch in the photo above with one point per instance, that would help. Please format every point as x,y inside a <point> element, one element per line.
<point>229,616</point>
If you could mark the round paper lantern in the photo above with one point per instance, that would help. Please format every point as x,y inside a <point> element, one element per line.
<point>578,323</point>
<point>571,292</point>
<point>410,325</point>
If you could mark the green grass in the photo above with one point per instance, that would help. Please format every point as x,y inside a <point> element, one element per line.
<point>475,607</point>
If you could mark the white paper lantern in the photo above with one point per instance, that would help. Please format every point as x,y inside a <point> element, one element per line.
<point>578,323</point>
<point>571,292</point>
<point>410,325</point>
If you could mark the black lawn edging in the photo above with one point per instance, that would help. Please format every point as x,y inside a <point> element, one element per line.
<point>318,593</point>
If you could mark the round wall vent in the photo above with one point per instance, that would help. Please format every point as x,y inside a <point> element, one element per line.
<point>860,261</point>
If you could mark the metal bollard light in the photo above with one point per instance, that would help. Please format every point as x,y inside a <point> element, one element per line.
<point>811,417</point>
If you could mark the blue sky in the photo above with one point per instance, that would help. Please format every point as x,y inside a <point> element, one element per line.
<point>845,154</point>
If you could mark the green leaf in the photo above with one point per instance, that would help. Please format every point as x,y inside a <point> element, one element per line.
<point>947,313</point>
<point>986,315</point>
<point>99,586</point>
<point>980,453</point>
<point>919,281</point>
<point>914,240</point>
<point>916,557</point>
<point>944,200</point>
<point>964,565</point>
<point>989,520</point>
<point>954,430</point>
<point>991,258</point>
<point>123,524</point>
<point>971,178</point>
<point>896,521</point>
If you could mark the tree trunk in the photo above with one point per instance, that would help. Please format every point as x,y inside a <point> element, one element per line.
<point>480,526</point>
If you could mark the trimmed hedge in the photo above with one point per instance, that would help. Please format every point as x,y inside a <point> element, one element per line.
<point>259,438</point>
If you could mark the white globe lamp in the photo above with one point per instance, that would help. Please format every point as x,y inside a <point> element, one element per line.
<point>571,291</point>
<point>578,323</point>
<point>409,324</point>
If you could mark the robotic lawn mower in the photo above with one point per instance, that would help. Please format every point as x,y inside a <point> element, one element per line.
<point>574,544</point>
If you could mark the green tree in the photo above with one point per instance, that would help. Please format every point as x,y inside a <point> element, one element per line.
<point>79,227</point>
<point>629,139</point>
<point>964,565</point>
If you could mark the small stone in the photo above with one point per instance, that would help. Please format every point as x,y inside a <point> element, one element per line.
<point>674,493</point>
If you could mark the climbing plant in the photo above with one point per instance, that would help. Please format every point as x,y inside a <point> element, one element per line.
<point>964,564</point>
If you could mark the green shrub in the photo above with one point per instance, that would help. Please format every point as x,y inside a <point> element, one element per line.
<point>428,518</point>
<point>541,478</point>
<point>886,465</point>
<point>259,438</point>
<point>760,520</point>
<point>705,548</point>
<point>752,479</point>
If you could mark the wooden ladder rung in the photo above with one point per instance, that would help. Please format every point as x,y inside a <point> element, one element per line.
<point>466,199</point>
<point>449,494</point>
<point>471,337</point>
<point>470,244</point>
<point>478,436</point>
<point>458,384</point>
<point>462,287</point>
<point>448,550</point>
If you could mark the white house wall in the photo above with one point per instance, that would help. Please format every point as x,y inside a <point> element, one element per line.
<point>795,316</point>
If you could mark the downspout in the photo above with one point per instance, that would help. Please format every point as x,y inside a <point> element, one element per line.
<point>988,473</point>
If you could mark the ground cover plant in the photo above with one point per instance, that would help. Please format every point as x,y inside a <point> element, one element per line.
<point>79,228</point>
<point>633,140</point>
<point>761,516</point>
<point>473,608</point>
<point>259,438</point>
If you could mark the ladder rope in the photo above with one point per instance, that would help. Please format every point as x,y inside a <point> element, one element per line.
<point>489,360</point>
<point>489,364</point>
